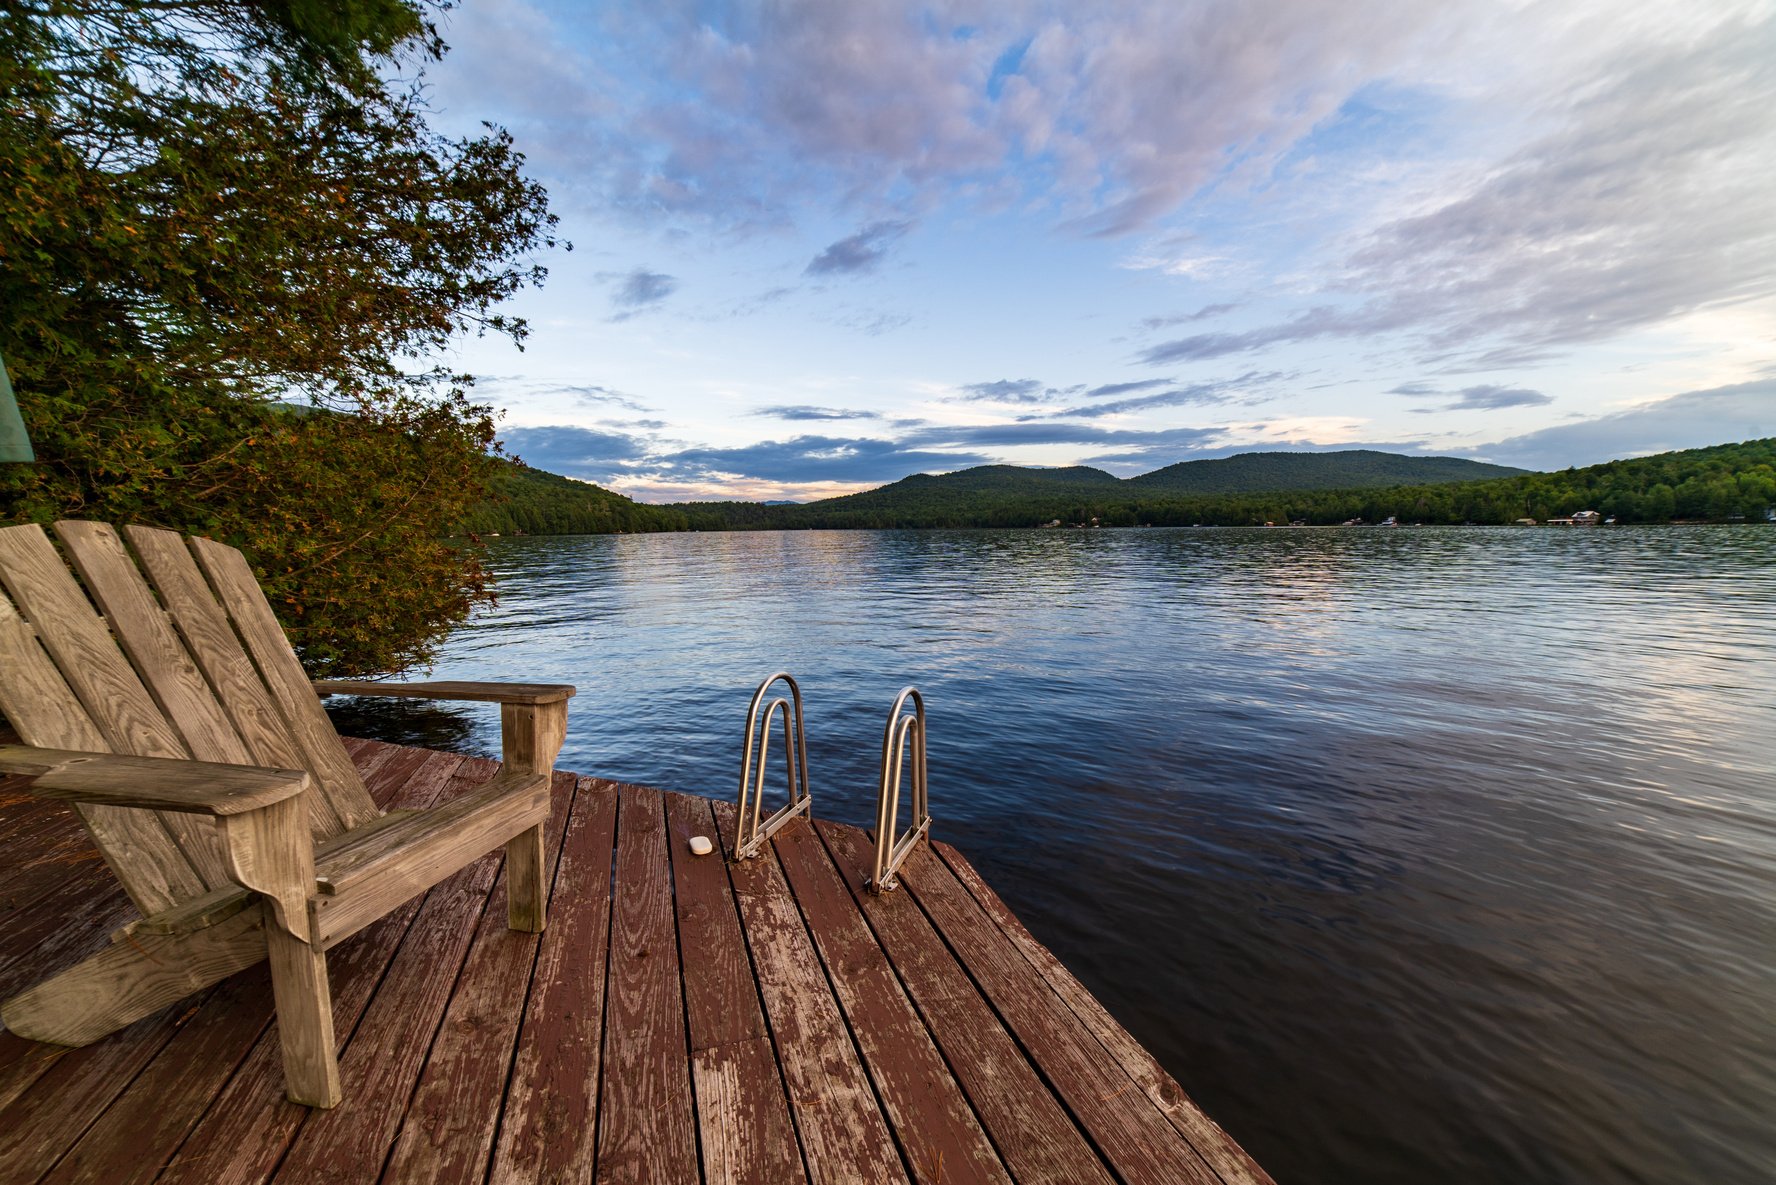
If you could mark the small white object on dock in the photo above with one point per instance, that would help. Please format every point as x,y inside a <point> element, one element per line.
<point>700,845</point>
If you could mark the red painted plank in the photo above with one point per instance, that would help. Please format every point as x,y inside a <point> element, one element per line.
<point>1138,1142</point>
<point>743,1123</point>
<point>447,1134</point>
<point>646,1128</point>
<point>549,1128</point>
<point>937,1129</point>
<point>132,1140</point>
<point>249,1127</point>
<point>1038,1139</point>
<point>1227,1158</point>
<point>843,1134</point>
<point>39,1126</point>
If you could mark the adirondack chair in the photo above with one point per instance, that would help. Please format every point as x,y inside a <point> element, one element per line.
<point>163,701</point>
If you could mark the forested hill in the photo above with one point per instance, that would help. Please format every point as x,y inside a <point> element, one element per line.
<point>534,502</point>
<point>1348,469</point>
<point>1008,495</point>
<point>1720,483</point>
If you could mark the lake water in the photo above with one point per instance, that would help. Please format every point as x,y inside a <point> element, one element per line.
<point>1416,855</point>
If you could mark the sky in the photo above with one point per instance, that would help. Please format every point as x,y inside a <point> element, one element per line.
<point>819,246</point>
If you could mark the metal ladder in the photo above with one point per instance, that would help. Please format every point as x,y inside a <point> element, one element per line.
<point>751,836</point>
<point>892,850</point>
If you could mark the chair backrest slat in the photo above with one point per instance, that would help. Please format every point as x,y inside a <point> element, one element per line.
<point>146,635</point>
<point>65,658</point>
<point>46,712</point>
<point>238,590</point>
<point>231,675</point>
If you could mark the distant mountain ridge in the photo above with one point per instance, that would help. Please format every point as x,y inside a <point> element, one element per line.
<point>986,486</point>
<point>1344,469</point>
<point>1728,482</point>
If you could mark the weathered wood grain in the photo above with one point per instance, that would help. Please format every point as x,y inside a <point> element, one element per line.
<point>1224,1155</point>
<point>435,844</point>
<point>742,1121</point>
<point>151,783</point>
<point>1138,1142</point>
<point>447,1134</point>
<point>131,1141</point>
<point>245,1134</point>
<point>843,1133</point>
<point>47,710</point>
<point>548,1131</point>
<point>383,1057</point>
<point>743,1124</point>
<point>496,693</point>
<point>193,610</point>
<point>127,980</point>
<point>939,1134</point>
<point>646,1131</point>
<point>238,591</point>
<point>146,634</point>
<point>1038,1139</point>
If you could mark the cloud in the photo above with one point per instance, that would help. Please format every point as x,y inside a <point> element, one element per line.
<point>1694,419</point>
<point>640,289</point>
<point>591,394</point>
<point>1198,395</point>
<point>735,114</point>
<point>859,253</point>
<point>1004,391</point>
<point>1575,237</point>
<point>1202,314</point>
<point>1125,388</point>
<point>1492,398</point>
<point>803,411</point>
<point>576,452</point>
<point>814,459</point>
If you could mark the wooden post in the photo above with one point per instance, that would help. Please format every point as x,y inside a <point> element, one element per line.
<point>270,850</point>
<point>530,737</point>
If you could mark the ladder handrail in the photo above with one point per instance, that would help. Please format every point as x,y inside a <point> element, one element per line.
<point>751,836</point>
<point>892,851</point>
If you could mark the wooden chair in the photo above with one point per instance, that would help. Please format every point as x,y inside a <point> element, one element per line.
<point>164,702</point>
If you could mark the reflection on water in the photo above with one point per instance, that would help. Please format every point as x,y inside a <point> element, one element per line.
<point>1440,854</point>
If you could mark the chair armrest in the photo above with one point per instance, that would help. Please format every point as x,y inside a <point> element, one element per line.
<point>151,783</point>
<point>497,693</point>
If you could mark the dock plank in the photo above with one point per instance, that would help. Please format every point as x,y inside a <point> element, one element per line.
<point>646,1131</point>
<point>939,1134</point>
<point>844,1135</point>
<point>743,1125</point>
<point>1039,1140</point>
<point>447,1135</point>
<point>680,1020</point>
<point>249,1126</point>
<point>1223,1154</point>
<point>1140,1144</point>
<point>382,1059</point>
<point>548,1130</point>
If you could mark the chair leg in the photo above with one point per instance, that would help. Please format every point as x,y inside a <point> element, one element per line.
<point>526,894</point>
<point>305,1020</point>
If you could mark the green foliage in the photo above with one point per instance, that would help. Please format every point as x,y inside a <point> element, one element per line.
<point>532,502</point>
<point>1713,483</point>
<point>209,208</point>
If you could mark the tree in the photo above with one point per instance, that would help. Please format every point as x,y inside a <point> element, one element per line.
<point>212,209</point>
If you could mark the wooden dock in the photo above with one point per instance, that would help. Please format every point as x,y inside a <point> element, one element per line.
<point>679,1021</point>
